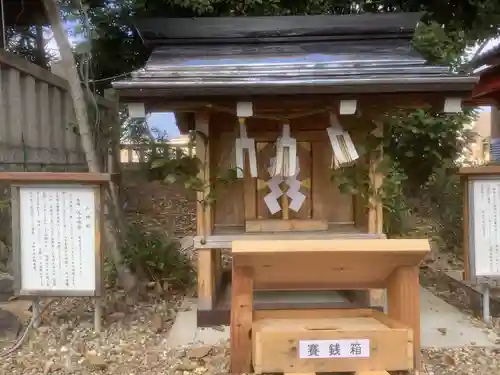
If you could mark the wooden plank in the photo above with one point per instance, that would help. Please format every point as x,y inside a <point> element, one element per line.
<point>205,279</point>
<point>375,208</point>
<point>249,193</point>
<point>278,225</point>
<point>225,241</point>
<point>299,135</point>
<point>249,185</point>
<point>370,246</point>
<point>226,211</point>
<point>241,319</point>
<point>310,313</point>
<point>328,203</point>
<point>403,299</point>
<point>203,211</point>
<point>323,270</point>
<point>305,163</point>
<point>480,171</point>
<point>465,185</point>
<point>265,151</point>
<point>48,177</point>
<point>206,276</point>
<point>367,102</point>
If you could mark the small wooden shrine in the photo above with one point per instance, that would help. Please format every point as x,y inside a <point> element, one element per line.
<point>286,100</point>
<point>487,92</point>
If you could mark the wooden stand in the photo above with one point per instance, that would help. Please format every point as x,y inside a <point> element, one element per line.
<point>327,265</point>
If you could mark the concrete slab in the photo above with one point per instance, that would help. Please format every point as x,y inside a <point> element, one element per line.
<point>443,326</point>
<point>185,332</point>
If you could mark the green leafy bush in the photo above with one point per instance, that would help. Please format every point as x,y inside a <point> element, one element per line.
<point>154,257</point>
<point>442,201</point>
<point>396,208</point>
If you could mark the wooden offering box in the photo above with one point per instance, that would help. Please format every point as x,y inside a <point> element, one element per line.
<point>326,264</point>
<point>348,340</point>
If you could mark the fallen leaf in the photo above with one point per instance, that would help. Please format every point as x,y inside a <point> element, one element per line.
<point>116,316</point>
<point>186,366</point>
<point>158,288</point>
<point>95,362</point>
<point>199,352</point>
<point>157,323</point>
<point>49,367</point>
<point>449,360</point>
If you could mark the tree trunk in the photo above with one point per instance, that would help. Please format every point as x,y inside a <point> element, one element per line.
<point>68,64</point>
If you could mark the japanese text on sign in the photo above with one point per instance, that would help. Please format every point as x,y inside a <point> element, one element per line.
<point>486,227</point>
<point>57,238</point>
<point>334,348</point>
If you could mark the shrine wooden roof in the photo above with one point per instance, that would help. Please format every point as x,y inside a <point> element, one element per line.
<point>487,91</point>
<point>367,53</point>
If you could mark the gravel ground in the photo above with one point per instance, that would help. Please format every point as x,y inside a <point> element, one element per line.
<point>133,342</point>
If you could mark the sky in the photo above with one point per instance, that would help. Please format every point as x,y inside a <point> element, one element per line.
<point>164,122</point>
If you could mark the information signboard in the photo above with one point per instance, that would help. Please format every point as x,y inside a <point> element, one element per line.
<point>484,227</point>
<point>56,237</point>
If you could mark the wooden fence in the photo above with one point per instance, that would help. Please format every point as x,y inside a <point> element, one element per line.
<point>135,154</point>
<point>37,120</point>
<point>37,125</point>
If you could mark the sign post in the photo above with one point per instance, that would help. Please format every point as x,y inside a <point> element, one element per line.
<point>482,229</point>
<point>57,226</point>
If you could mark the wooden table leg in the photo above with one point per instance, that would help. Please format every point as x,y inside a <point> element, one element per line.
<point>403,300</point>
<point>206,279</point>
<point>241,319</point>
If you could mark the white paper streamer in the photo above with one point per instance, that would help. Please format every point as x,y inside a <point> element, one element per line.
<point>286,154</point>
<point>241,144</point>
<point>338,138</point>
<point>293,191</point>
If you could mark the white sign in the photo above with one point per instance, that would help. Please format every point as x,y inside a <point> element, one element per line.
<point>57,239</point>
<point>334,348</point>
<point>485,231</point>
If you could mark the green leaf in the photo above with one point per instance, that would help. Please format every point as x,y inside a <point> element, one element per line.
<point>170,179</point>
<point>158,163</point>
<point>345,188</point>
